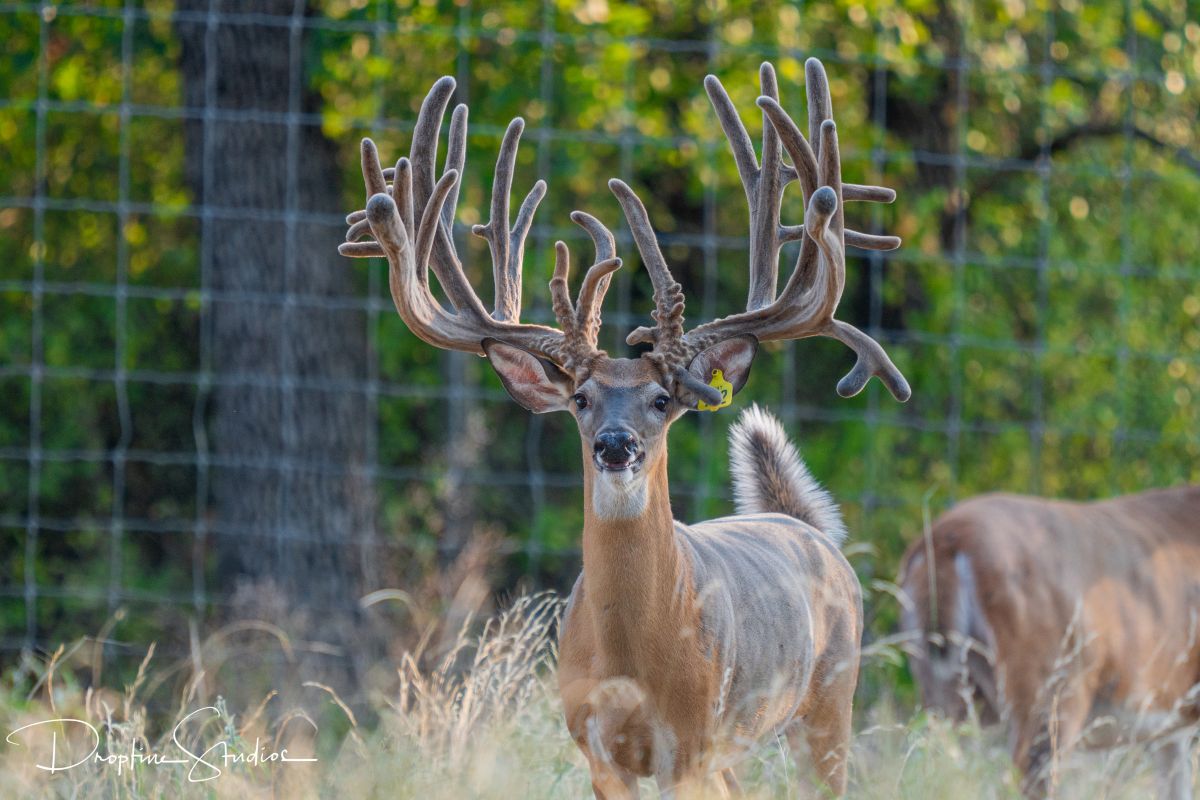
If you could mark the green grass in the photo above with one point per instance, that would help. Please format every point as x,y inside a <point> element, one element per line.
<point>484,721</point>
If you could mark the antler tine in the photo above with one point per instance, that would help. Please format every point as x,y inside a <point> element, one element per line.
<point>872,194</point>
<point>805,161</point>
<point>508,246</point>
<point>872,360</point>
<point>643,233</point>
<point>764,219</point>
<point>581,323</point>
<point>599,275</point>
<point>429,228</point>
<point>602,237</point>
<point>375,182</point>
<point>496,230</point>
<point>402,193</point>
<point>763,185</point>
<point>820,112</point>
<point>560,292</point>
<point>372,173</point>
<point>820,220</point>
<point>426,131</point>
<point>829,165</point>
<point>456,159</point>
<point>735,134</point>
<point>667,334</point>
<point>516,243</point>
<point>423,154</point>
<point>816,84</point>
<point>828,213</point>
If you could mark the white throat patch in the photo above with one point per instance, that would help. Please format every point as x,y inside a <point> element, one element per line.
<point>618,495</point>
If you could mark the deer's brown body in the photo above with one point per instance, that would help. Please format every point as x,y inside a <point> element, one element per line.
<point>1078,623</point>
<point>682,644</point>
<point>718,633</point>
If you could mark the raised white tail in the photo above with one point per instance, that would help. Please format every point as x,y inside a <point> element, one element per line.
<point>769,476</point>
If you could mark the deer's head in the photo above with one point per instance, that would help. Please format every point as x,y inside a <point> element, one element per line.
<point>623,406</point>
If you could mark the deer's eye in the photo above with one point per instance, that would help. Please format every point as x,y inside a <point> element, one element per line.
<point>661,402</point>
<point>580,401</point>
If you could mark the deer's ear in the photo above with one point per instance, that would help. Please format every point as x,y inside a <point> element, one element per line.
<point>535,383</point>
<point>732,357</point>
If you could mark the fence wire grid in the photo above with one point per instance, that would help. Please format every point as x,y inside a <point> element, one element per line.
<point>1049,333</point>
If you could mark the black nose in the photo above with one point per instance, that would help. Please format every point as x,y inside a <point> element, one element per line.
<point>615,446</point>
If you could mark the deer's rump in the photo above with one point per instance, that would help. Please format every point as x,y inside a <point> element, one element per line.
<point>781,610</point>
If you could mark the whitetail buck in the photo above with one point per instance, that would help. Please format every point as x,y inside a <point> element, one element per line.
<point>1078,623</point>
<point>681,643</point>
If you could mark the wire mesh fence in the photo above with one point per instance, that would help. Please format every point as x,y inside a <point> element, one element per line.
<point>1044,307</point>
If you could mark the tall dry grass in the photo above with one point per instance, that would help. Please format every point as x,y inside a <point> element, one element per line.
<point>479,720</point>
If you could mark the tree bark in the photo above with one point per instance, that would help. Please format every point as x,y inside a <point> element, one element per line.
<point>289,503</point>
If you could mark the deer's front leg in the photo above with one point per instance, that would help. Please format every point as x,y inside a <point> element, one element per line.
<point>1043,730</point>
<point>611,722</point>
<point>610,780</point>
<point>701,786</point>
<point>614,739</point>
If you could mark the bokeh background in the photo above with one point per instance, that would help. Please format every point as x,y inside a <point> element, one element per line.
<point>206,413</point>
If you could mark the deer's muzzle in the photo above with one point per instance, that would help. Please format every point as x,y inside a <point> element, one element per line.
<point>616,450</point>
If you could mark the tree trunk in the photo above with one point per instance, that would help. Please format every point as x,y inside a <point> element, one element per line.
<point>290,504</point>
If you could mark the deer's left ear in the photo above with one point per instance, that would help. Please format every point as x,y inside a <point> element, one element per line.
<point>732,357</point>
<point>535,383</point>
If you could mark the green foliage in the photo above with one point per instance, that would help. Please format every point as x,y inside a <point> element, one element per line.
<point>1047,319</point>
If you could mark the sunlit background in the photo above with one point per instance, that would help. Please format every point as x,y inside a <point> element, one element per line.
<point>206,413</point>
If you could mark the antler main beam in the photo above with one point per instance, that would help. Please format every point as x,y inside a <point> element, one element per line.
<point>808,301</point>
<point>412,218</point>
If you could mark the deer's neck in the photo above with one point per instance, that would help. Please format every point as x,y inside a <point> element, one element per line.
<point>633,572</point>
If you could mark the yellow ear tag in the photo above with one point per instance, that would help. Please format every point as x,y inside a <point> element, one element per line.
<point>723,386</point>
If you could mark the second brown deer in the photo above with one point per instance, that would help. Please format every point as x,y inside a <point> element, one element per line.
<point>1078,624</point>
<point>682,644</point>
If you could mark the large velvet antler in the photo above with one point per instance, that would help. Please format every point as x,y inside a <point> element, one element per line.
<point>808,301</point>
<point>411,221</point>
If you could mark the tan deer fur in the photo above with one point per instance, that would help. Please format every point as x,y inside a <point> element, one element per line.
<point>1078,623</point>
<point>719,632</point>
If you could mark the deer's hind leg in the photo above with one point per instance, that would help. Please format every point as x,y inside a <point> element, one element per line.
<point>827,735</point>
<point>825,728</point>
